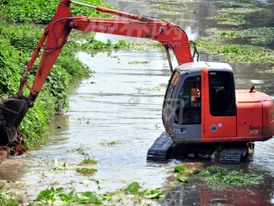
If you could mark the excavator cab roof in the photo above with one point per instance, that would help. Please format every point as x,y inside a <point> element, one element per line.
<point>198,66</point>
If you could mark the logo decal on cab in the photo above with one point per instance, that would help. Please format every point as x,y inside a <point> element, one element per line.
<point>213,128</point>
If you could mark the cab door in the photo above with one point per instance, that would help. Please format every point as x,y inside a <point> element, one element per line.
<point>186,104</point>
<point>219,105</point>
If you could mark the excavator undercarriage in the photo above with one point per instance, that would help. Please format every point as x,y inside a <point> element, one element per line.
<point>164,149</point>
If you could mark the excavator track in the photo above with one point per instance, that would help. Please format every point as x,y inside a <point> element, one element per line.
<point>233,154</point>
<point>164,148</point>
<point>161,149</point>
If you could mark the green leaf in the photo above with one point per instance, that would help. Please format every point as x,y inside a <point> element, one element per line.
<point>179,169</point>
<point>133,188</point>
<point>46,194</point>
<point>153,194</point>
<point>89,197</point>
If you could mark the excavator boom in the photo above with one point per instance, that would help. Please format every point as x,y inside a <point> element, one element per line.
<point>14,108</point>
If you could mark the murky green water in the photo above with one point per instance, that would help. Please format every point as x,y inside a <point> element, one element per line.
<point>115,116</point>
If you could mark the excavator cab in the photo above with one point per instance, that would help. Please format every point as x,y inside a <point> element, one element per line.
<point>199,108</point>
<point>206,91</point>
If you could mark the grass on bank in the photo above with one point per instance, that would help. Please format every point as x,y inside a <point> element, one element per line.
<point>41,12</point>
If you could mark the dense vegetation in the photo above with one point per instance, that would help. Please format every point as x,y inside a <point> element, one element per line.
<point>17,43</point>
<point>39,11</point>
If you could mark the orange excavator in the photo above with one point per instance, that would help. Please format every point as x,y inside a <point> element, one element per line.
<point>202,111</point>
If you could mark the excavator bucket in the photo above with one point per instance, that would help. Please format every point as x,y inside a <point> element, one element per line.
<point>12,112</point>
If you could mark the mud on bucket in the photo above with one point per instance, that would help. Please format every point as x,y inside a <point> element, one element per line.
<point>12,112</point>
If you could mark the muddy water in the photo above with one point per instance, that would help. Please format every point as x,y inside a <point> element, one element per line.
<point>115,116</point>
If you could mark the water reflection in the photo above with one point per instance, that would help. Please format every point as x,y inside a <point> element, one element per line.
<point>203,195</point>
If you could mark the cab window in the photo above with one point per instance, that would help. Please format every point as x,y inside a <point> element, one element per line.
<point>188,109</point>
<point>222,94</point>
<point>172,83</point>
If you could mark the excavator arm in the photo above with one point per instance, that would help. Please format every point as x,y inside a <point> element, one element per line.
<point>14,108</point>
